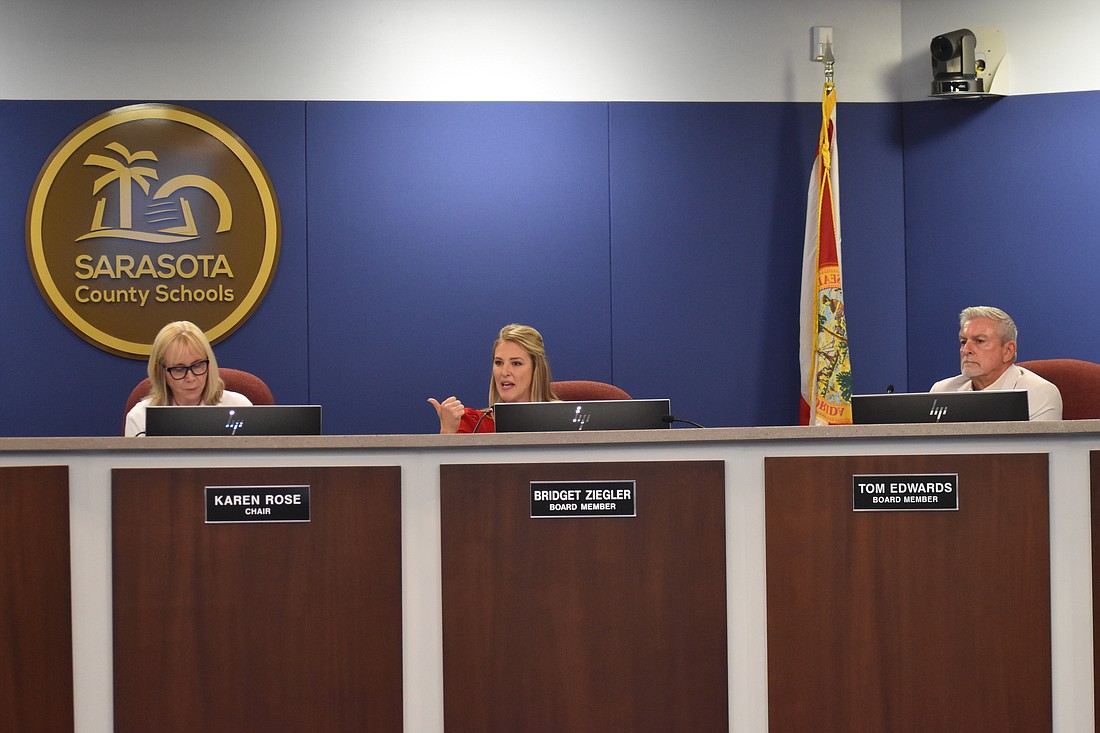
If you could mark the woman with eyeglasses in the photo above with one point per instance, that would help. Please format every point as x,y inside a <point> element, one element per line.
<point>182,371</point>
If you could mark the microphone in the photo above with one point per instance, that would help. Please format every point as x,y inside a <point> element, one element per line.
<point>478,423</point>
<point>673,419</point>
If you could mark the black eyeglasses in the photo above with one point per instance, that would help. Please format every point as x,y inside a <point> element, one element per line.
<point>179,372</point>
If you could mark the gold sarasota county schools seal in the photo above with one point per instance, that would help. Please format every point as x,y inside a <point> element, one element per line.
<point>149,214</point>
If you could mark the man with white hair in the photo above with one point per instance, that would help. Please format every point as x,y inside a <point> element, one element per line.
<point>987,353</point>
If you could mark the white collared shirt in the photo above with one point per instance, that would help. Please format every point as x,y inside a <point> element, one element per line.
<point>1044,401</point>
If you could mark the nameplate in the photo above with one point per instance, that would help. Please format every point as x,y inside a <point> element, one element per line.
<point>257,504</point>
<point>904,492</point>
<point>583,499</point>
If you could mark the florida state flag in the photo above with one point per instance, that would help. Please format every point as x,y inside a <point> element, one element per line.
<point>823,352</point>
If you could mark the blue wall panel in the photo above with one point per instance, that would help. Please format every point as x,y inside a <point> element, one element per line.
<point>708,225</point>
<point>1001,200</point>
<point>433,225</point>
<point>873,221</point>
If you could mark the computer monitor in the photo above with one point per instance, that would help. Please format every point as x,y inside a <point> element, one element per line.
<point>921,407</point>
<point>236,420</point>
<point>529,417</point>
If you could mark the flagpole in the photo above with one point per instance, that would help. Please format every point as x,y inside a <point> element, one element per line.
<point>823,350</point>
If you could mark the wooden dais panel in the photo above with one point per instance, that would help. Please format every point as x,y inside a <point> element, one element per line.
<point>909,620</point>
<point>36,654</point>
<point>584,624</point>
<point>1094,472</point>
<point>257,627</point>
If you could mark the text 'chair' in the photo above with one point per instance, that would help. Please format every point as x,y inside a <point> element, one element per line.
<point>582,389</point>
<point>1077,380</point>
<point>235,380</point>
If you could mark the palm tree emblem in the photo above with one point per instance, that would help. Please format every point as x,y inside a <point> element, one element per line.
<point>160,211</point>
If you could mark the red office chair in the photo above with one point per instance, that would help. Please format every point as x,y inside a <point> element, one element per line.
<point>1077,380</point>
<point>582,389</point>
<point>235,380</point>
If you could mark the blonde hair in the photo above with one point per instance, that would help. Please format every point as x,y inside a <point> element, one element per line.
<point>182,333</point>
<point>530,341</point>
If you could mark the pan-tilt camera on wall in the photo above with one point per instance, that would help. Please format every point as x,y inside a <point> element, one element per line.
<point>965,63</point>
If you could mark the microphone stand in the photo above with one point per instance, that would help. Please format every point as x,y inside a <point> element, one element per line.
<point>483,415</point>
